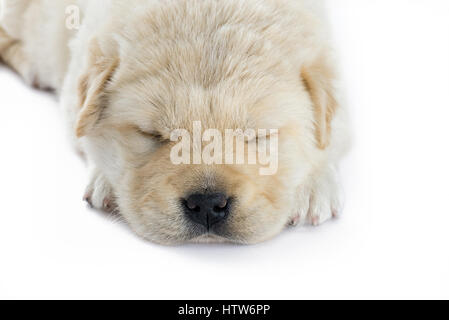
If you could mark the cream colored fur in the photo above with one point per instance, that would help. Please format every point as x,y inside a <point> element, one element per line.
<point>140,69</point>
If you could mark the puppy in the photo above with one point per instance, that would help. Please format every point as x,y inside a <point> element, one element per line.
<point>135,76</point>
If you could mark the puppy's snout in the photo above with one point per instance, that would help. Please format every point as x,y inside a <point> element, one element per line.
<point>207,209</point>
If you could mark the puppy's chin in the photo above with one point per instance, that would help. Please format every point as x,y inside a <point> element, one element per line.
<point>209,238</point>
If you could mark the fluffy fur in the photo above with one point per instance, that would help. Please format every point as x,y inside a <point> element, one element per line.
<point>138,69</point>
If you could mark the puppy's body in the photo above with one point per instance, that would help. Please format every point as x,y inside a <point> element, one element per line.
<point>137,70</point>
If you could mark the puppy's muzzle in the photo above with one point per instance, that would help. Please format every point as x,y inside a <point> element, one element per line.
<point>207,210</point>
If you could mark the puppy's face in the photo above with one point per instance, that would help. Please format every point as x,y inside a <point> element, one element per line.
<point>128,119</point>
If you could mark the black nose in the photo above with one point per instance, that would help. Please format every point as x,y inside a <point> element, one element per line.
<point>207,209</point>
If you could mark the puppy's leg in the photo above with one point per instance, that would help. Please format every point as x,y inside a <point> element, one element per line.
<point>319,200</point>
<point>99,193</point>
<point>12,53</point>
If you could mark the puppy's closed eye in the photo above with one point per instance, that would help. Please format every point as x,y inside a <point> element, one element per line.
<point>153,135</point>
<point>261,137</point>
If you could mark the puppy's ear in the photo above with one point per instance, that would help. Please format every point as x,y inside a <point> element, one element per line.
<point>92,86</point>
<point>319,78</point>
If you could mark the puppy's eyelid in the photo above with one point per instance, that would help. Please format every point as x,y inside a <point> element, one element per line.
<point>266,137</point>
<point>152,135</point>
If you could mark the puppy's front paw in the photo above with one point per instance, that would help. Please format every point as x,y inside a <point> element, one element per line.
<point>5,40</point>
<point>99,194</point>
<point>319,201</point>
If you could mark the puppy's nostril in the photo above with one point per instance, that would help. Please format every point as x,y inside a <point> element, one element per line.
<point>191,205</point>
<point>222,206</point>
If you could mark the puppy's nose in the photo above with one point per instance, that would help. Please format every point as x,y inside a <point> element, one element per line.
<point>207,209</point>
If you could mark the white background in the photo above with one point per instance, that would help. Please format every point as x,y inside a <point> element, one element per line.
<point>391,242</point>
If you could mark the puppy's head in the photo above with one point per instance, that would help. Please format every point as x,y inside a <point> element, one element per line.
<point>146,117</point>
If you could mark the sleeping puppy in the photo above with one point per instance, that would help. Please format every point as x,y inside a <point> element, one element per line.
<point>147,86</point>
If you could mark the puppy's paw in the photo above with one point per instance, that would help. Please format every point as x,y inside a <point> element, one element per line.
<point>319,201</point>
<point>13,55</point>
<point>5,40</point>
<point>99,194</point>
